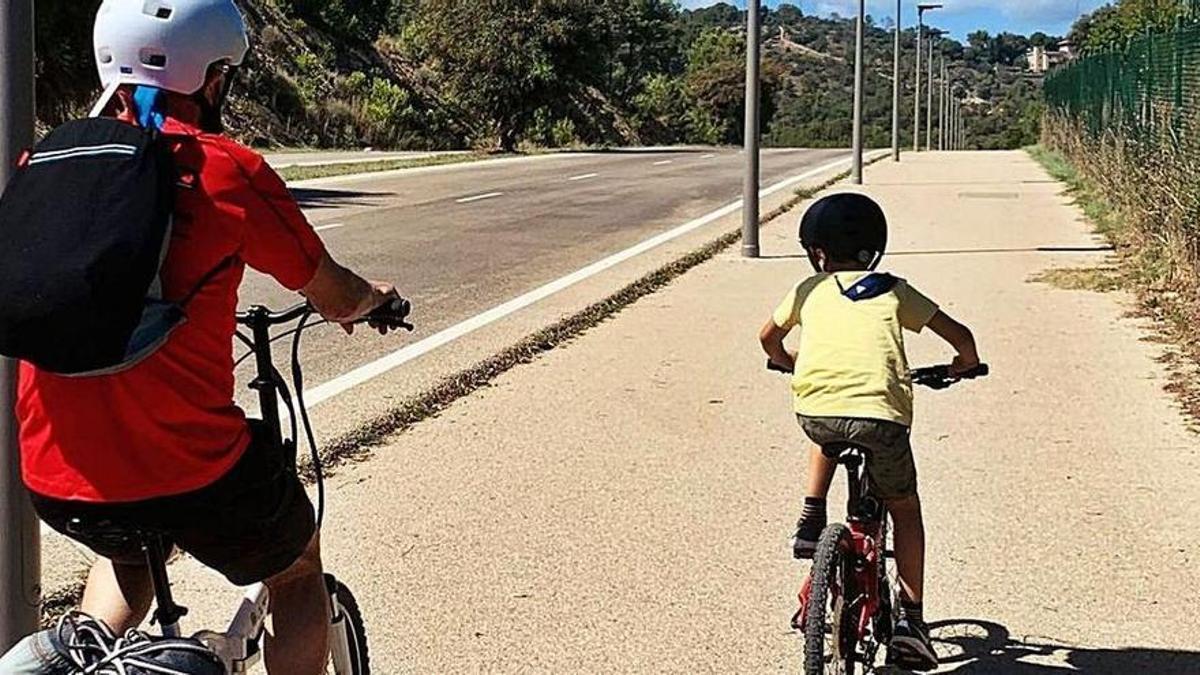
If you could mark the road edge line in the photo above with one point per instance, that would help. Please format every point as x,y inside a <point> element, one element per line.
<point>357,445</point>
<point>369,371</point>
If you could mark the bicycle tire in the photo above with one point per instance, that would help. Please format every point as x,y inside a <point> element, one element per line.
<point>828,573</point>
<point>347,606</point>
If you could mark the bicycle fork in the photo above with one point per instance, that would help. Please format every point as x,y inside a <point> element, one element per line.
<point>339,631</point>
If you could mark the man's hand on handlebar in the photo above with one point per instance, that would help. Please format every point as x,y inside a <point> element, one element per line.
<point>376,310</point>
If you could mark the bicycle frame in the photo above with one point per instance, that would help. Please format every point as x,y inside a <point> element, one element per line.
<point>864,591</point>
<point>238,646</point>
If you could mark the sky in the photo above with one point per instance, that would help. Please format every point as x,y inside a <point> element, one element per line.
<point>959,16</point>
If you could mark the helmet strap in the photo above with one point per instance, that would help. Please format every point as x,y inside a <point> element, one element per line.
<point>101,105</point>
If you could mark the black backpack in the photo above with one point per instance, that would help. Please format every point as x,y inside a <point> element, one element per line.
<point>84,227</point>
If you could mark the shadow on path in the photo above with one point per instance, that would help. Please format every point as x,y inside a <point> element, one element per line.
<point>982,647</point>
<point>319,198</point>
<point>975,251</point>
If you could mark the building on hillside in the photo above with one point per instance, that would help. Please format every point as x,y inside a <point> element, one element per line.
<point>1041,60</point>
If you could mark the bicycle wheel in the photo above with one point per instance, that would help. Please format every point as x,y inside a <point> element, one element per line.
<point>348,635</point>
<point>829,636</point>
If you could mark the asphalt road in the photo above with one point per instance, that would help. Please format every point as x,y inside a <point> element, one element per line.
<point>459,240</point>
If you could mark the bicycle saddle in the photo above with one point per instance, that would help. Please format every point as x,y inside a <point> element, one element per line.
<point>844,453</point>
<point>109,530</point>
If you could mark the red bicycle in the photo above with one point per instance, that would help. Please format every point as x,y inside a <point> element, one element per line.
<point>848,601</point>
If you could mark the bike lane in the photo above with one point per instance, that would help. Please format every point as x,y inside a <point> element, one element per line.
<point>623,503</point>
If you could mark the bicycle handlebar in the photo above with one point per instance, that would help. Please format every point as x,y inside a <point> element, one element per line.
<point>934,377</point>
<point>393,314</point>
<point>940,377</point>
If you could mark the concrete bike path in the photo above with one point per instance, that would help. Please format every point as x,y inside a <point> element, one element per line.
<point>623,504</point>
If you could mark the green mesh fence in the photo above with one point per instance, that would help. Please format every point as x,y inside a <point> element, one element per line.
<point>1146,91</point>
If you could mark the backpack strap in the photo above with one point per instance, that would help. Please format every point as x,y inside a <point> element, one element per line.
<point>871,286</point>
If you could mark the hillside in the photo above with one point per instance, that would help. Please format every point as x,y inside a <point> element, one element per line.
<point>435,74</point>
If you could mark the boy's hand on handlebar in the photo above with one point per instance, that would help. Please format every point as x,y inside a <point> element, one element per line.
<point>963,364</point>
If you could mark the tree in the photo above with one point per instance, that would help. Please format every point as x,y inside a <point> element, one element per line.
<point>1113,25</point>
<point>66,73</point>
<point>358,20</point>
<point>498,63</point>
<point>715,81</point>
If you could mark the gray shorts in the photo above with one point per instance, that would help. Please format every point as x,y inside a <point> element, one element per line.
<point>890,467</point>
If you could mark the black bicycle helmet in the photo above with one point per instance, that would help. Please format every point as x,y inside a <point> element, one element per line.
<point>849,227</point>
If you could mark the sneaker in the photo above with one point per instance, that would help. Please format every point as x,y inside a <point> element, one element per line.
<point>804,542</point>
<point>911,648</point>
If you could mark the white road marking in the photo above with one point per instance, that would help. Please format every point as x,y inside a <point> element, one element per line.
<point>370,371</point>
<point>665,161</point>
<point>331,226</point>
<point>584,176</point>
<point>380,176</point>
<point>708,156</point>
<point>468,200</point>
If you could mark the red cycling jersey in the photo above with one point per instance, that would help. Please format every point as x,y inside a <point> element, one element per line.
<point>169,425</point>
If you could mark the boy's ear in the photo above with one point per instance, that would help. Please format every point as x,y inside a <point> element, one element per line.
<point>818,258</point>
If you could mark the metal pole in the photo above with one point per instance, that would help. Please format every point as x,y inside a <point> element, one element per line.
<point>857,173</point>
<point>20,556</point>
<point>750,142</point>
<point>942,105</point>
<point>896,86</point>
<point>917,90</point>
<point>963,127</point>
<point>948,135</point>
<point>957,124</point>
<point>953,123</point>
<point>929,98</point>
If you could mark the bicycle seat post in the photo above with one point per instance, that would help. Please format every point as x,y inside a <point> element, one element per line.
<point>167,614</point>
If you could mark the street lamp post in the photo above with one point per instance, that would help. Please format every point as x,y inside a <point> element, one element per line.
<point>857,172</point>
<point>750,247</point>
<point>933,35</point>
<point>950,123</point>
<point>921,9</point>
<point>20,557</point>
<point>942,113</point>
<point>896,85</point>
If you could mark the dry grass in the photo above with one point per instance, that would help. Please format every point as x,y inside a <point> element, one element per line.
<point>1144,197</point>
<point>1097,279</point>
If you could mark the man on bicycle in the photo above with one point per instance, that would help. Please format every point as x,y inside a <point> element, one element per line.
<point>851,384</point>
<point>162,445</point>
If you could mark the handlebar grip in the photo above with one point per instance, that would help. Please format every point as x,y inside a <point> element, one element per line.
<point>775,367</point>
<point>393,314</point>
<point>981,370</point>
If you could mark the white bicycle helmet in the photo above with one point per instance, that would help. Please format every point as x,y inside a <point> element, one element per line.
<point>169,44</point>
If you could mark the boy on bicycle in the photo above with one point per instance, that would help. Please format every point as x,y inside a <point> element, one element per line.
<point>851,383</point>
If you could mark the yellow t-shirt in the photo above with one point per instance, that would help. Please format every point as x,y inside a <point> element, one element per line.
<point>852,361</point>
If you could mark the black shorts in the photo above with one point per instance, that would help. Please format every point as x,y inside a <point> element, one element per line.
<point>250,525</point>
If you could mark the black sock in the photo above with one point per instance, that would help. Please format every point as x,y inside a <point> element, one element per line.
<point>814,510</point>
<point>913,611</point>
